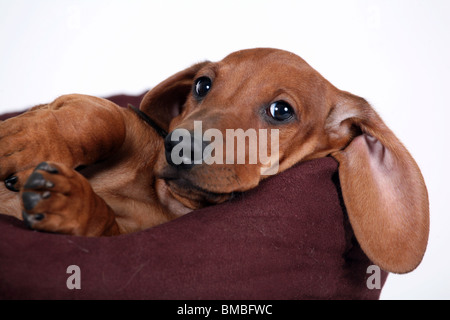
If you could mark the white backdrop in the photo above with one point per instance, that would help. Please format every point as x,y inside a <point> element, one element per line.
<point>394,53</point>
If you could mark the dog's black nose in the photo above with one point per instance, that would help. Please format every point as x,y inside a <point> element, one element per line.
<point>183,150</point>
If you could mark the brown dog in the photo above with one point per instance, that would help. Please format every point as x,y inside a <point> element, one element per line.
<point>383,189</point>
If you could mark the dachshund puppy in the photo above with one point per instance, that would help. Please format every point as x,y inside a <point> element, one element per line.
<point>130,180</point>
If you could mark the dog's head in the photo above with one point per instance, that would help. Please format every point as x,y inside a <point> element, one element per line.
<point>260,111</point>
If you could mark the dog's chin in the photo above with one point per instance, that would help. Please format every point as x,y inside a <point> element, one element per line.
<point>193,196</point>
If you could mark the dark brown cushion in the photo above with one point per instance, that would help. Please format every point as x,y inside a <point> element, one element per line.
<point>287,239</point>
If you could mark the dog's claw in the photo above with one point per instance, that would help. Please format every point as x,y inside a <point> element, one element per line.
<point>46,167</point>
<point>30,200</point>
<point>30,219</point>
<point>37,180</point>
<point>10,183</point>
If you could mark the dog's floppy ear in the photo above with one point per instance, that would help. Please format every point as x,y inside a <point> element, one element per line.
<point>165,101</point>
<point>382,186</point>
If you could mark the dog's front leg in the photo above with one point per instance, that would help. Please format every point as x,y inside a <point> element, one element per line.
<point>74,130</point>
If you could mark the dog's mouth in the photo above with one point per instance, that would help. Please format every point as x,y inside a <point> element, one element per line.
<point>191,195</point>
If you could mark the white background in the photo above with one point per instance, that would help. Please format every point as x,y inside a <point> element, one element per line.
<point>394,53</point>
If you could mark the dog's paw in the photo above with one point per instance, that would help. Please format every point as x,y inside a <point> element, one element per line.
<point>52,199</point>
<point>21,141</point>
<point>30,138</point>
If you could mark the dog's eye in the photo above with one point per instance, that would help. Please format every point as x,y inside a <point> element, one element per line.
<point>280,111</point>
<point>202,86</point>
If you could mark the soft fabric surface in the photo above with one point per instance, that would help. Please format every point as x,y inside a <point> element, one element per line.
<point>287,239</point>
